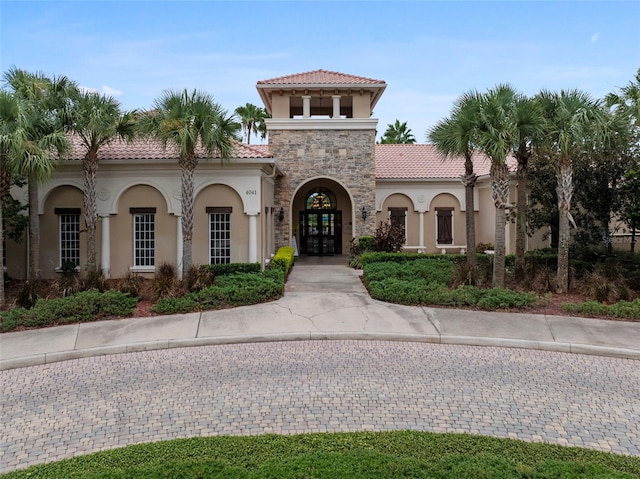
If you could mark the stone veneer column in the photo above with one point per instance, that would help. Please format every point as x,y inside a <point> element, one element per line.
<point>346,156</point>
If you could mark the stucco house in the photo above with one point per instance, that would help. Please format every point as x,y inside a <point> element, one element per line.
<point>319,182</point>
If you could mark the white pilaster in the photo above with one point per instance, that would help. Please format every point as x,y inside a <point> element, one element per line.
<point>253,238</point>
<point>105,250</point>
<point>179,245</point>
<point>421,232</point>
<point>306,106</point>
<point>336,106</point>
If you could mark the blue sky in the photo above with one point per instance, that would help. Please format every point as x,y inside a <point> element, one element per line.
<point>428,52</point>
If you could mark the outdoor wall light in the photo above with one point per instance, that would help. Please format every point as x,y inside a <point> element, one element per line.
<point>281,214</point>
<point>364,213</point>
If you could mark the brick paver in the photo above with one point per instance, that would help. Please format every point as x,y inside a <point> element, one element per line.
<point>70,408</point>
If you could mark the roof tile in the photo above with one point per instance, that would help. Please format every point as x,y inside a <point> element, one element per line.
<point>319,77</point>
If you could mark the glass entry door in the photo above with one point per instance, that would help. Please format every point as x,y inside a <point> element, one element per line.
<point>321,232</point>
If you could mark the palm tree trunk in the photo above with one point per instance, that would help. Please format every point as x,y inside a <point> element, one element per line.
<point>1,250</point>
<point>90,168</point>
<point>500,194</point>
<point>521,219</point>
<point>5,182</point>
<point>187,172</point>
<point>564,189</point>
<point>34,229</point>
<point>469,182</point>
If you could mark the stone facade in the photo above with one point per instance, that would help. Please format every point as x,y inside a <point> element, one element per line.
<point>345,156</point>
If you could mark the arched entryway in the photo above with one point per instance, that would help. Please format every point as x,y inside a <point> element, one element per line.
<point>322,208</point>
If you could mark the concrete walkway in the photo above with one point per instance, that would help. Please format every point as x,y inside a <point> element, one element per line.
<point>324,299</point>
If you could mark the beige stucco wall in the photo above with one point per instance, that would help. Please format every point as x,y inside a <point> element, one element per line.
<point>61,197</point>
<point>362,105</point>
<point>220,196</point>
<point>402,201</point>
<point>121,229</point>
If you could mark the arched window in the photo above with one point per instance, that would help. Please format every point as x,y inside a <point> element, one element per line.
<point>321,199</point>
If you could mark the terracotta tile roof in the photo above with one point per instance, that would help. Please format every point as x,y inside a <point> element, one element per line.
<point>148,149</point>
<point>321,77</point>
<point>424,162</point>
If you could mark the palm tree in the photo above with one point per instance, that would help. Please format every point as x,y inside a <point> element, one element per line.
<point>529,129</point>
<point>571,117</point>
<point>496,138</point>
<point>43,135</point>
<point>10,139</point>
<point>454,136</point>
<point>196,126</point>
<point>97,120</point>
<point>398,133</point>
<point>252,119</point>
<point>626,103</point>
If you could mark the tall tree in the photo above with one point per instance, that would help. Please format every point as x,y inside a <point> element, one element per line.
<point>97,120</point>
<point>252,118</point>
<point>198,127</point>
<point>497,135</point>
<point>454,136</point>
<point>11,136</point>
<point>398,133</point>
<point>43,136</point>
<point>571,116</point>
<point>626,103</point>
<point>529,129</point>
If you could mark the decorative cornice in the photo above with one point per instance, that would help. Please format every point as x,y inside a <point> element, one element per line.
<point>321,124</point>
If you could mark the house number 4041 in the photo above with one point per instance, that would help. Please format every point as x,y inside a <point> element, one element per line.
<point>252,192</point>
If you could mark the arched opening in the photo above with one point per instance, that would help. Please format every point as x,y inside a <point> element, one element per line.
<point>320,230</point>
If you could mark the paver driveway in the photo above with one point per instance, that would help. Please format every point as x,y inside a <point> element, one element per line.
<point>64,409</point>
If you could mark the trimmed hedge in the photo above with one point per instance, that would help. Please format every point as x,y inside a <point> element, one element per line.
<point>230,268</point>
<point>424,279</point>
<point>81,307</point>
<point>621,309</point>
<point>382,257</point>
<point>236,289</point>
<point>283,259</point>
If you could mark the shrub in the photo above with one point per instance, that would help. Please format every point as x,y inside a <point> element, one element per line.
<point>94,279</point>
<point>283,259</point>
<point>230,268</point>
<point>497,298</point>
<point>237,289</point>
<point>367,243</point>
<point>382,257</point>
<point>29,294</point>
<point>165,282</point>
<point>198,278</point>
<point>131,284</point>
<point>82,307</point>
<point>70,282</point>
<point>621,309</point>
<point>389,238</point>
<point>426,269</point>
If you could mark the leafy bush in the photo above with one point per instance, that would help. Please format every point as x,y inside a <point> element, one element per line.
<point>230,268</point>
<point>237,289</point>
<point>382,257</point>
<point>367,243</point>
<point>283,259</point>
<point>95,279</point>
<point>425,268</point>
<point>131,284</point>
<point>198,278</point>
<point>389,238</point>
<point>622,309</point>
<point>29,294</point>
<point>82,307</point>
<point>497,298</point>
<point>424,281</point>
<point>165,282</point>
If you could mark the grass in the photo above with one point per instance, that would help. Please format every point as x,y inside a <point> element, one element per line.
<point>398,454</point>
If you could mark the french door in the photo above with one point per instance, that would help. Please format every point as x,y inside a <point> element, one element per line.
<point>321,232</point>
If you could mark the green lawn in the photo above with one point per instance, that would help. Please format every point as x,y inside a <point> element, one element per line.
<point>399,454</point>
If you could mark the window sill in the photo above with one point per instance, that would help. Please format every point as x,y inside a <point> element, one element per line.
<point>143,269</point>
<point>60,270</point>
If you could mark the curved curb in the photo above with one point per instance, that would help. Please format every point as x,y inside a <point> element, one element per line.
<point>48,358</point>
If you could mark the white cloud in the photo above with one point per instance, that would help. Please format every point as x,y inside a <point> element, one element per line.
<point>595,37</point>
<point>107,90</point>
